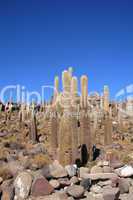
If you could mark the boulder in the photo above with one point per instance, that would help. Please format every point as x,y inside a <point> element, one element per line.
<point>83,170</point>
<point>7,190</point>
<point>75,191</point>
<point>125,171</point>
<point>74,180</point>
<point>41,187</point>
<point>124,185</point>
<point>57,171</point>
<point>22,185</point>
<point>111,193</point>
<point>100,176</point>
<point>55,184</point>
<point>96,189</point>
<point>71,170</point>
<point>86,183</point>
<point>96,169</point>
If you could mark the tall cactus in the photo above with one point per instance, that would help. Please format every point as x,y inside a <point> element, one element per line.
<point>53,128</point>
<point>74,91</point>
<point>68,125</point>
<point>84,91</point>
<point>106,98</point>
<point>85,129</point>
<point>33,128</point>
<point>107,129</point>
<point>56,88</point>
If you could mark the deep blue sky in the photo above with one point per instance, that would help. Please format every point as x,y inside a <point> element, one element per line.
<point>40,38</point>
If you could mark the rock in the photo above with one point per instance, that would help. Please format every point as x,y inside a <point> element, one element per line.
<point>111,194</point>
<point>96,189</point>
<point>74,180</point>
<point>8,194</point>
<point>86,183</point>
<point>64,182</point>
<point>41,187</point>
<point>1,180</point>
<point>101,176</point>
<point>45,171</point>
<point>15,167</point>
<point>96,169</point>
<point>7,190</point>
<point>71,170</point>
<point>126,196</point>
<point>102,163</point>
<point>104,183</point>
<point>124,185</point>
<point>55,184</point>
<point>75,191</point>
<point>22,185</point>
<point>107,169</point>
<point>54,196</point>
<point>83,170</point>
<point>57,171</point>
<point>126,171</point>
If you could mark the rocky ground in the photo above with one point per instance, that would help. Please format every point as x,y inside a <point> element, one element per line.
<point>28,172</point>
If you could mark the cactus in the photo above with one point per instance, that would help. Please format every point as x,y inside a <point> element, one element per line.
<point>56,88</point>
<point>68,138</point>
<point>84,91</point>
<point>107,129</point>
<point>106,98</point>
<point>74,91</point>
<point>33,128</point>
<point>85,126</point>
<point>53,128</point>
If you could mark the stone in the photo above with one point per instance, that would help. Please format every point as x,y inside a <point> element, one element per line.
<point>45,171</point>
<point>22,185</point>
<point>96,189</point>
<point>126,196</point>
<point>75,191</point>
<point>125,171</point>
<point>64,182</point>
<point>55,184</point>
<point>102,163</point>
<point>41,187</point>
<point>111,193</point>
<point>104,183</point>
<point>124,185</point>
<point>96,169</point>
<point>7,190</point>
<point>71,170</point>
<point>57,171</point>
<point>74,180</point>
<point>54,196</point>
<point>100,176</point>
<point>86,183</point>
<point>83,170</point>
<point>1,180</point>
<point>107,169</point>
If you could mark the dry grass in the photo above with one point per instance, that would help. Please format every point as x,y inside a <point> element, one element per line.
<point>41,160</point>
<point>5,173</point>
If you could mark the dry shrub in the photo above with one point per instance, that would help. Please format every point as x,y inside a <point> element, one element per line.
<point>5,173</point>
<point>41,160</point>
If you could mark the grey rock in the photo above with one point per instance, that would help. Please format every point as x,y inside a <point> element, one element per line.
<point>75,191</point>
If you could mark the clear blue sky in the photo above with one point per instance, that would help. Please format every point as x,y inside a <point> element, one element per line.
<point>40,38</point>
